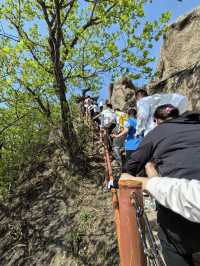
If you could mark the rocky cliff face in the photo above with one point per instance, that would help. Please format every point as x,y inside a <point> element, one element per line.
<point>179,67</point>
<point>122,94</point>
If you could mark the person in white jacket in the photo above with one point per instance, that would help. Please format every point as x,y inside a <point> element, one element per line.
<point>146,106</point>
<point>180,195</point>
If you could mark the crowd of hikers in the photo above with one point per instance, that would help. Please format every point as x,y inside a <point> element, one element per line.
<point>161,142</point>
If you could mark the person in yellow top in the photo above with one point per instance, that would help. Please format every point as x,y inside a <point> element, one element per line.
<point>121,117</point>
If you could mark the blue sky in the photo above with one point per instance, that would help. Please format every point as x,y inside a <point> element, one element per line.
<point>153,11</point>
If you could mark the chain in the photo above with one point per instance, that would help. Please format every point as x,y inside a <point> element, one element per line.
<point>151,249</point>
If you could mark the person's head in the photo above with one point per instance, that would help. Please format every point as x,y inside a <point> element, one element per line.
<point>132,112</point>
<point>109,105</point>
<point>165,112</point>
<point>141,93</point>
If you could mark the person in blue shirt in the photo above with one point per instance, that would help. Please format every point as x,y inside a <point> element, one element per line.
<point>131,142</point>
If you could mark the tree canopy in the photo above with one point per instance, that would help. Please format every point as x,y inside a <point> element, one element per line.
<point>87,38</point>
<point>50,49</point>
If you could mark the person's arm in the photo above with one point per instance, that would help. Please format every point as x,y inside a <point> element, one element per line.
<point>96,116</point>
<point>143,112</point>
<point>139,158</point>
<point>150,169</point>
<point>124,132</point>
<point>180,195</point>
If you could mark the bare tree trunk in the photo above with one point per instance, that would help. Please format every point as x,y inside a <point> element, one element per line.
<point>66,118</point>
<point>67,125</point>
<point>55,27</point>
<point>55,39</point>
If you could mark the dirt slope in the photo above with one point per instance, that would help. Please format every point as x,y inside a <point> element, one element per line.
<point>56,218</point>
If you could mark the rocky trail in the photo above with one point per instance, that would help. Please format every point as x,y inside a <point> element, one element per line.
<point>56,218</point>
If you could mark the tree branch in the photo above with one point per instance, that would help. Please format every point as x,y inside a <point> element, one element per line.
<point>91,22</point>
<point>9,37</point>
<point>12,123</point>
<point>44,109</point>
<point>70,5</point>
<point>23,34</point>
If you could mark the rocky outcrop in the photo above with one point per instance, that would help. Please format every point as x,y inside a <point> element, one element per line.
<point>179,67</point>
<point>122,94</point>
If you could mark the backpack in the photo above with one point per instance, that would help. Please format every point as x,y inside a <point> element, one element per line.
<point>108,117</point>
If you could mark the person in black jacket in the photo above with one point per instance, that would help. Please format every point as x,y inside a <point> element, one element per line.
<point>174,146</point>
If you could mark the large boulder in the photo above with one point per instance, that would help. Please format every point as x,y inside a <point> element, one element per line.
<point>122,94</point>
<point>179,67</point>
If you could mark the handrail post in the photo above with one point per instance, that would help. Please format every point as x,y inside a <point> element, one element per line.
<point>131,250</point>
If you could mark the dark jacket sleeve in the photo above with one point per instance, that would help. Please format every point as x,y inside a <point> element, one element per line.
<point>139,158</point>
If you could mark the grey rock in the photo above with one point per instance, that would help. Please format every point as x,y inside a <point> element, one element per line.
<point>123,94</point>
<point>179,67</point>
